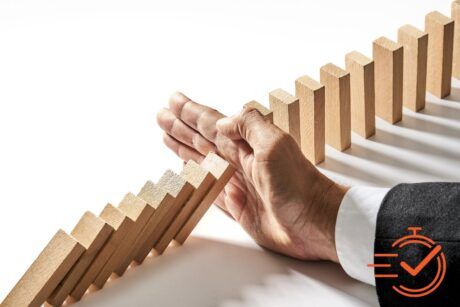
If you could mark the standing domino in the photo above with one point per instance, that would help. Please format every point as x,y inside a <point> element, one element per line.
<point>337,106</point>
<point>415,44</point>
<point>440,29</point>
<point>388,61</point>
<point>362,86</point>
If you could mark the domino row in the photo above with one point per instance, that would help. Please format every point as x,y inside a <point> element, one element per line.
<point>101,245</point>
<point>348,100</point>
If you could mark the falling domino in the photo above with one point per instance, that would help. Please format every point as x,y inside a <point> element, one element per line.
<point>181,190</point>
<point>337,106</point>
<point>440,29</point>
<point>456,56</point>
<point>311,109</point>
<point>91,232</point>
<point>388,67</point>
<point>202,181</point>
<point>415,43</point>
<point>223,172</point>
<point>286,115</point>
<point>266,113</point>
<point>139,212</point>
<point>161,201</point>
<point>362,93</point>
<point>47,271</point>
<point>121,225</point>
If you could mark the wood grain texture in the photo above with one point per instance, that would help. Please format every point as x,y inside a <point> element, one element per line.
<point>286,115</point>
<point>139,212</point>
<point>161,201</point>
<point>388,66</point>
<point>311,110</point>
<point>202,180</point>
<point>336,83</point>
<point>266,113</point>
<point>223,172</point>
<point>362,93</point>
<point>121,225</point>
<point>415,43</point>
<point>455,14</point>
<point>92,233</point>
<point>45,273</point>
<point>180,190</point>
<point>440,29</point>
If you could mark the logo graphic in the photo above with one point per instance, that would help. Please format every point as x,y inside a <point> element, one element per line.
<point>434,255</point>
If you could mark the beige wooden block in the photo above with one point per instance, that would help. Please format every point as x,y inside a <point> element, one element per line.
<point>388,67</point>
<point>174,185</point>
<point>45,273</point>
<point>456,55</point>
<point>223,172</point>
<point>202,180</point>
<point>311,110</point>
<point>92,233</point>
<point>415,43</point>
<point>266,113</point>
<point>121,225</point>
<point>440,29</point>
<point>161,201</point>
<point>336,83</point>
<point>139,212</point>
<point>362,93</point>
<point>286,115</point>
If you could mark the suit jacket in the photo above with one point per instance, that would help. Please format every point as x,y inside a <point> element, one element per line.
<point>435,207</point>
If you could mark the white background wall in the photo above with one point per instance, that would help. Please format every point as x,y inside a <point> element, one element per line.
<point>81,81</point>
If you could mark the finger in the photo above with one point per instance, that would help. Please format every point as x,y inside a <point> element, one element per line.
<point>199,117</point>
<point>250,126</point>
<point>181,150</point>
<point>183,133</point>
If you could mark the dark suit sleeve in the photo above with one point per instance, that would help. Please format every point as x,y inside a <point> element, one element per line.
<point>435,207</point>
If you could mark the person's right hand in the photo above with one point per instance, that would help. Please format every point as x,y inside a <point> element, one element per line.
<point>276,195</point>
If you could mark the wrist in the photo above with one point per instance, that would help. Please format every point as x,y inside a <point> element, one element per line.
<point>328,197</point>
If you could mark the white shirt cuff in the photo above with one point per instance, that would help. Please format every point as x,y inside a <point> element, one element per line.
<point>355,231</point>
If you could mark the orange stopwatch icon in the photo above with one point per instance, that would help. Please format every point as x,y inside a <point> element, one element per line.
<point>434,254</point>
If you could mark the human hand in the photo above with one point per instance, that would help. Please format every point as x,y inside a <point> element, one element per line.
<point>276,194</point>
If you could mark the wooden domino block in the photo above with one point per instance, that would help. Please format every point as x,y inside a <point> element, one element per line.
<point>161,201</point>
<point>202,180</point>
<point>44,275</point>
<point>415,43</point>
<point>337,106</point>
<point>266,113</point>
<point>362,93</point>
<point>388,67</point>
<point>139,212</point>
<point>223,172</point>
<point>440,29</point>
<point>91,232</point>
<point>180,190</point>
<point>121,225</point>
<point>456,55</point>
<point>311,109</point>
<point>286,115</point>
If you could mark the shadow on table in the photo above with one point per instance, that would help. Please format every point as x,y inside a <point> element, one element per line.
<point>204,272</point>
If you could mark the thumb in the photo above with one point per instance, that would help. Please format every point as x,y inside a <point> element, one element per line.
<point>249,125</point>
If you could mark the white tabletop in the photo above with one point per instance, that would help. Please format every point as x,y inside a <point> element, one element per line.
<point>81,81</point>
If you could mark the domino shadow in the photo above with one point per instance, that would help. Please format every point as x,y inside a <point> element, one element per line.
<point>205,272</point>
<point>396,162</point>
<point>421,124</point>
<point>349,171</point>
<point>454,94</point>
<point>400,141</point>
<point>442,110</point>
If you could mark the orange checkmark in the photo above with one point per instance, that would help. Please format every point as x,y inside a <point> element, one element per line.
<point>422,264</point>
